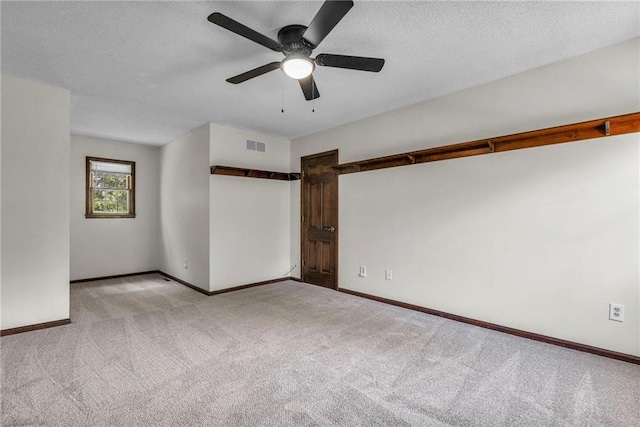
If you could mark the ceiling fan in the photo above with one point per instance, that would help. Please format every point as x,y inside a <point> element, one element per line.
<point>297,42</point>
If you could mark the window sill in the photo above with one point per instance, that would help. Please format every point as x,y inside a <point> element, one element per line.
<point>109,216</point>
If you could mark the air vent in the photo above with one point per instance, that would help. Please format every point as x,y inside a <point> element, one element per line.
<point>256,146</point>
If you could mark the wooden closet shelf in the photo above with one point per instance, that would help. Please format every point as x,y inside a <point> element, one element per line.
<point>618,125</point>
<point>253,173</point>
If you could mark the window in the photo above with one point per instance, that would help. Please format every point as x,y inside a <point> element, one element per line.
<point>110,188</point>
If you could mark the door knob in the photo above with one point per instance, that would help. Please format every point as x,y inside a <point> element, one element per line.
<point>331,229</point>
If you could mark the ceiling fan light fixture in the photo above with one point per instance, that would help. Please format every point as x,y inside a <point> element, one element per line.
<point>298,67</point>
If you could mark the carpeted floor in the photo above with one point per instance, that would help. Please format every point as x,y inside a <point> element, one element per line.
<point>143,351</point>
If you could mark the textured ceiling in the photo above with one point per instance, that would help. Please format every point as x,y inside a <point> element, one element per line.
<point>148,72</point>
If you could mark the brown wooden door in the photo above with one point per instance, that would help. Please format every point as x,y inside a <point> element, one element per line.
<point>319,211</point>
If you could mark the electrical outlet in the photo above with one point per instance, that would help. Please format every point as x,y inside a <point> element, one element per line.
<point>363,271</point>
<point>184,263</point>
<point>616,312</point>
<point>388,274</point>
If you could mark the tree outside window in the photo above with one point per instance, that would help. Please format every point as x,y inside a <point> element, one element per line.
<point>110,188</point>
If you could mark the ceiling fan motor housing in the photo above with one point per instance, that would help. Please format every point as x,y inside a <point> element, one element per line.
<point>290,37</point>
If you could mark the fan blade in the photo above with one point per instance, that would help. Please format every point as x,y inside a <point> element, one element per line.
<point>330,13</point>
<point>309,88</point>
<point>254,73</point>
<point>351,62</point>
<point>244,31</point>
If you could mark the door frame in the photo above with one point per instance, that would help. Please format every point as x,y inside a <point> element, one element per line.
<point>303,231</point>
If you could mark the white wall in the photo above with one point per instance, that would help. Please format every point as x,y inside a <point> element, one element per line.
<point>106,247</point>
<point>540,240</point>
<point>35,203</point>
<point>510,238</point>
<point>184,207</point>
<point>0,210</point>
<point>250,218</point>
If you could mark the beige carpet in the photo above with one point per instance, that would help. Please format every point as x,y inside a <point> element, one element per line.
<point>144,351</point>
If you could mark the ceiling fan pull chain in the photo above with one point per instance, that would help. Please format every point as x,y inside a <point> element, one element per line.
<point>282,88</point>
<point>313,96</point>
